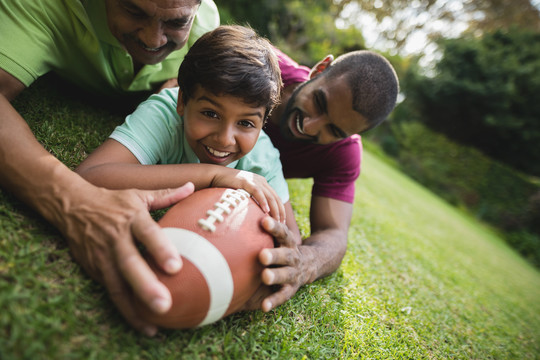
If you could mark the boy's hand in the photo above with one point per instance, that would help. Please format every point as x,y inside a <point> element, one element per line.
<point>257,186</point>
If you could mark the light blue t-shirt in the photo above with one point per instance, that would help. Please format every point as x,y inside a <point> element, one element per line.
<point>154,133</point>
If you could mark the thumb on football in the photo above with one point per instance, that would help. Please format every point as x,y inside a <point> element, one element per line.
<point>159,199</point>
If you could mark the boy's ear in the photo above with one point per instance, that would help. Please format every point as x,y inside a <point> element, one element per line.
<point>180,103</point>
<point>320,66</point>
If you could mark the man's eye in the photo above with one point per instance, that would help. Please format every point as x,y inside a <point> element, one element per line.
<point>177,24</point>
<point>336,132</point>
<point>136,13</point>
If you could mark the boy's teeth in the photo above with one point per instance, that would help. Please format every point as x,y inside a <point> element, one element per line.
<point>217,153</point>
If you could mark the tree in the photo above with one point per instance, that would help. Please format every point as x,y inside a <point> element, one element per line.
<point>485,94</point>
<point>305,30</point>
<point>398,20</point>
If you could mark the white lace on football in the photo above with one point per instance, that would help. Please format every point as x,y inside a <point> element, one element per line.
<point>229,200</point>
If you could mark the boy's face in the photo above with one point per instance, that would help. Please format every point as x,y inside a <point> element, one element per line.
<point>220,129</point>
<point>151,29</point>
<point>320,111</point>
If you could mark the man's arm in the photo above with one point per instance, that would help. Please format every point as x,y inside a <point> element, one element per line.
<point>100,225</point>
<point>318,256</point>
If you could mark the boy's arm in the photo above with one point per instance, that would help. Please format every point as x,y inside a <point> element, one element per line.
<point>100,226</point>
<point>114,166</point>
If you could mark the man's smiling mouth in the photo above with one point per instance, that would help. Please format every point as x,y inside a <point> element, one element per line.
<point>298,123</point>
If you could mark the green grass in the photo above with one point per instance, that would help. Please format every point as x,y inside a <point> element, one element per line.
<point>420,279</point>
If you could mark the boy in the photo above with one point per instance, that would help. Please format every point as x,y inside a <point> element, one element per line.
<point>207,131</point>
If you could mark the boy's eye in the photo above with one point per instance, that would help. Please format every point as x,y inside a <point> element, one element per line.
<point>210,114</point>
<point>246,123</point>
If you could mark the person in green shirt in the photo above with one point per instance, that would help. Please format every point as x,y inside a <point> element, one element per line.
<point>110,47</point>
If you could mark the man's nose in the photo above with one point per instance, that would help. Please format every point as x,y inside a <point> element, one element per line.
<point>152,35</point>
<point>317,127</point>
<point>312,125</point>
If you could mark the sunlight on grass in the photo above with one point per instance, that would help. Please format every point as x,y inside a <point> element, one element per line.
<point>420,279</point>
<point>426,279</point>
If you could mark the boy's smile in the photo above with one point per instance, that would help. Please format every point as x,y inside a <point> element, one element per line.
<point>220,129</point>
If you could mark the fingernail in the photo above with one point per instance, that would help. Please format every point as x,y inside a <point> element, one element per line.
<point>160,305</point>
<point>270,277</point>
<point>150,331</point>
<point>172,265</point>
<point>267,306</point>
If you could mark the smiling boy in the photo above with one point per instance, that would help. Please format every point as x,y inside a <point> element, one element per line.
<point>207,131</point>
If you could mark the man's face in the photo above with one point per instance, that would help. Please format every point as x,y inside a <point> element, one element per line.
<point>151,29</point>
<point>320,111</point>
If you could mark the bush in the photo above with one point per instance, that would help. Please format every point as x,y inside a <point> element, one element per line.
<point>465,177</point>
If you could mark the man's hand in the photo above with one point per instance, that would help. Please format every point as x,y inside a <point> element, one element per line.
<point>102,231</point>
<point>294,261</point>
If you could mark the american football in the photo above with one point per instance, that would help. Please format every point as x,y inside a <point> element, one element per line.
<point>217,232</point>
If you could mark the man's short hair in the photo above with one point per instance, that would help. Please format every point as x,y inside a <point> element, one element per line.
<point>372,80</point>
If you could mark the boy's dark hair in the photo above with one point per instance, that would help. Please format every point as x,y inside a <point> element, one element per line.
<point>372,80</point>
<point>233,60</point>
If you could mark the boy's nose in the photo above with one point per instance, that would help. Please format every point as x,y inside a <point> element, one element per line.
<point>225,136</point>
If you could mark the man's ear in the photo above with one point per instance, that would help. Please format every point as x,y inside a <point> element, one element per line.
<point>180,103</point>
<point>320,66</point>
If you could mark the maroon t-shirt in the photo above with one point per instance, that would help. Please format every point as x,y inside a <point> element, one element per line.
<point>334,167</point>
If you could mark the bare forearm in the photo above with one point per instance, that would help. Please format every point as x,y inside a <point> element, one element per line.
<point>150,177</point>
<point>29,171</point>
<point>323,252</point>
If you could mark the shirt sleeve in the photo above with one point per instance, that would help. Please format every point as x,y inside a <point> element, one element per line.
<point>339,170</point>
<point>29,30</point>
<point>151,132</point>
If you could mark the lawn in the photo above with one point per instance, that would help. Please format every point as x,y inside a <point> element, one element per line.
<point>420,278</point>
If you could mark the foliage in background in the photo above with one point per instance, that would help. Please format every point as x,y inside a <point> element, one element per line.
<point>493,192</point>
<point>398,20</point>
<point>305,30</point>
<point>485,94</point>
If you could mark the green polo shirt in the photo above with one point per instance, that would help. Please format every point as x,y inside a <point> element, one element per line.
<point>72,38</point>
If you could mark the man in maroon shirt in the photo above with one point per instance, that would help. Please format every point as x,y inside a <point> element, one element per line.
<point>315,129</point>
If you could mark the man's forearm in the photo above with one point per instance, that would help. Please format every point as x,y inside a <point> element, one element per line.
<point>28,170</point>
<point>323,252</point>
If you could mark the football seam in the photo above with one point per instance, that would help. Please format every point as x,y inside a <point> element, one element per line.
<point>230,199</point>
